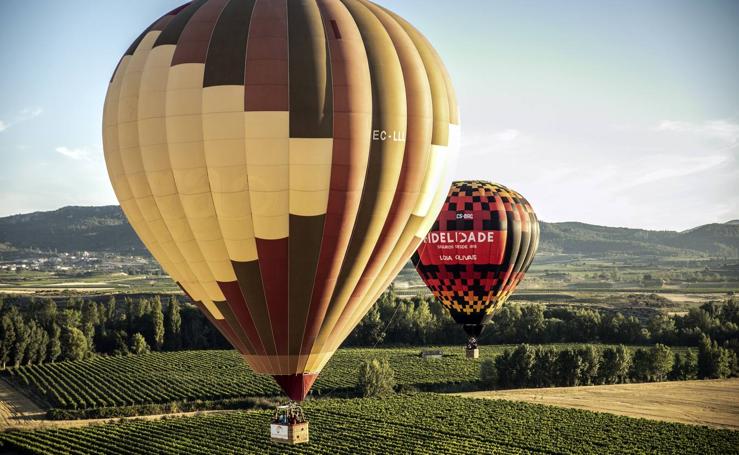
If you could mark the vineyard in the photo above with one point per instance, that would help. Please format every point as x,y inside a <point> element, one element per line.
<point>216,375</point>
<point>213,375</point>
<point>421,423</point>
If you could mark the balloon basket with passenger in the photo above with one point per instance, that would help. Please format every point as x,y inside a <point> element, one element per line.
<point>289,425</point>
<point>472,351</point>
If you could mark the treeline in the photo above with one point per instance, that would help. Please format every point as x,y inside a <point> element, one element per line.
<point>38,331</point>
<point>422,321</point>
<point>43,331</point>
<point>527,366</point>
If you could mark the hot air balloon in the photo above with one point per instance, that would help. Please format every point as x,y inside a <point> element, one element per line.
<point>281,160</point>
<point>478,250</point>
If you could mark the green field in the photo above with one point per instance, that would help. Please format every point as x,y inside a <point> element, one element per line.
<point>215,375</point>
<point>418,424</point>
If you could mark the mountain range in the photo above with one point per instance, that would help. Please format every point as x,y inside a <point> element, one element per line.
<point>105,228</point>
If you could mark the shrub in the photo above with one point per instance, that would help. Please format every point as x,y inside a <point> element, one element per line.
<point>488,373</point>
<point>376,378</point>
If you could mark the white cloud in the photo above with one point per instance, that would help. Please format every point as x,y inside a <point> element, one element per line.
<point>79,153</point>
<point>723,130</point>
<point>30,112</point>
<point>508,135</point>
<point>23,115</point>
<point>663,175</point>
<point>654,169</point>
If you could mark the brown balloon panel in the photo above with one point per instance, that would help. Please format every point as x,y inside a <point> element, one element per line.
<point>281,160</point>
<point>478,250</point>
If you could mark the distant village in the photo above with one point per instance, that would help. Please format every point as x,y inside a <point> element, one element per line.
<point>81,262</point>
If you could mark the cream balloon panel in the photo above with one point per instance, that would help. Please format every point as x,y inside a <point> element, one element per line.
<point>206,251</point>
<point>149,91</point>
<point>154,154</point>
<point>114,161</point>
<point>225,156</point>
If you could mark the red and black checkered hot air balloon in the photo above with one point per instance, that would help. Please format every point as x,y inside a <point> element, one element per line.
<point>477,251</point>
<point>282,160</point>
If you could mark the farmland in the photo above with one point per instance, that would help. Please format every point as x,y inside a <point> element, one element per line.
<point>216,375</point>
<point>420,423</point>
<point>709,402</point>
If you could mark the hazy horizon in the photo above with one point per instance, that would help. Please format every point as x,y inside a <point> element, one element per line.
<point>603,113</point>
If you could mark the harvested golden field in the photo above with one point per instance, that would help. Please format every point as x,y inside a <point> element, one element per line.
<point>711,402</point>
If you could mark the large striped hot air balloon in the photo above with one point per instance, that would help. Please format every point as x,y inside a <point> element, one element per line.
<point>477,252</point>
<point>282,160</point>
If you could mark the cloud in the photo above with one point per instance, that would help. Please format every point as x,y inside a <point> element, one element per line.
<point>723,130</point>
<point>23,115</point>
<point>508,135</point>
<point>677,167</point>
<point>79,153</point>
<point>493,141</point>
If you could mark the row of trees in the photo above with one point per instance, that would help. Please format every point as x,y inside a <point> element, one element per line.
<point>41,331</point>
<point>38,331</point>
<point>527,366</point>
<point>423,321</point>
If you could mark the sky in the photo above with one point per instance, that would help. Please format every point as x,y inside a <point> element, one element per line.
<point>611,112</point>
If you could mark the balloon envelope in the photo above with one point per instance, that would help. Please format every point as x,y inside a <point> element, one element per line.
<point>478,250</point>
<point>281,160</point>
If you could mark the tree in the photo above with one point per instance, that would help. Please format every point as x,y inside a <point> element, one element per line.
<point>586,324</point>
<point>157,324</point>
<point>641,366</point>
<point>369,331</point>
<point>531,324</point>
<point>488,373</point>
<point>502,363</point>
<point>685,366</point>
<point>22,337</point>
<point>120,342</point>
<point>714,362</point>
<point>70,318</point>
<point>662,329</point>
<point>55,343</point>
<point>138,344</point>
<point>615,364</point>
<point>74,344</point>
<point>89,313</point>
<point>662,360</point>
<point>544,372</point>
<point>376,378</point>
<point>505,323</point>
<point>590,361</point>
<point>110,307</point>
<point>521,364</point>
<point>46,315</point>
<point>424,321</point>
<point>173,326</point>
<point>37,341</point>
<point>7,338</point>
<point>569,366</point>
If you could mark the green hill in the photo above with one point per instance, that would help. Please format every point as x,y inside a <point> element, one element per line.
<point>106,229</point>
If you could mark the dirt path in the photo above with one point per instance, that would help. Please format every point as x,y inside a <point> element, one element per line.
<point>42,423</point>
<point>16,409</point>
<point>711,402</point>
<point>19,412</point>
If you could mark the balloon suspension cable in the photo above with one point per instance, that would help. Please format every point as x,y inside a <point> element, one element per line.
<point>472,343</point>
<point>289,414</point>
